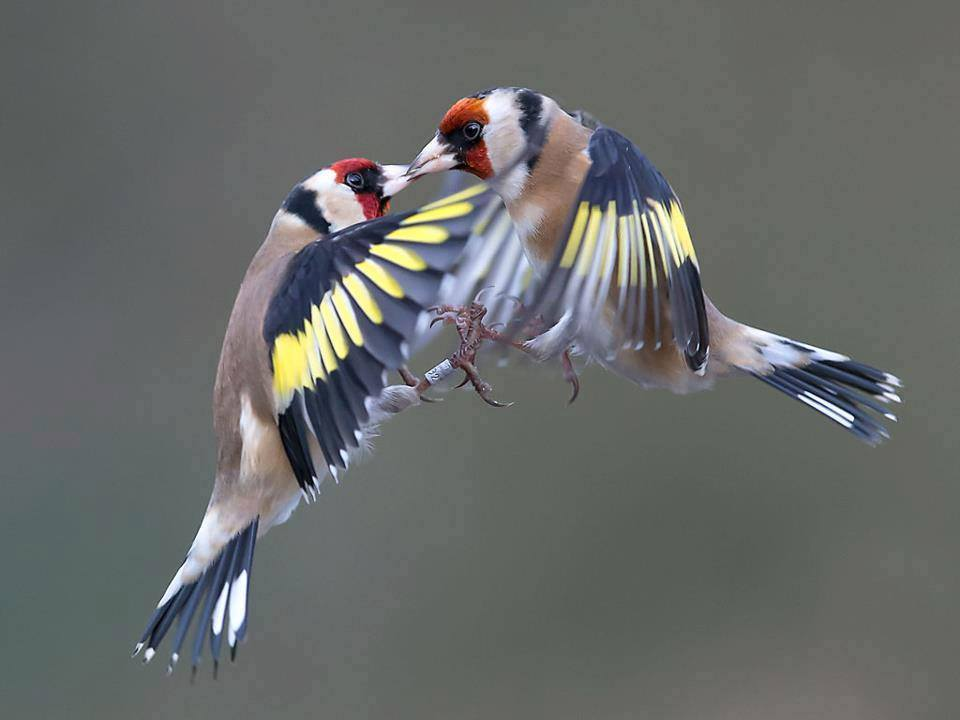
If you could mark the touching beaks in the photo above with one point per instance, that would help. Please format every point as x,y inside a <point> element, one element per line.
<point>437,156</point>
<point>395,179</point>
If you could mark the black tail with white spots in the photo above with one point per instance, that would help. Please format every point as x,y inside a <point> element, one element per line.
<point>218,600</point>
<point>853,395</point>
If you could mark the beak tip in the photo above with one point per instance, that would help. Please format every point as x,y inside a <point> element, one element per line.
<point>395,179</point>
<point>436,156</point>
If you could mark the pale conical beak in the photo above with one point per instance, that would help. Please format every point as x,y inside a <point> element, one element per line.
<point>395,179</point>
<point>437,156</point>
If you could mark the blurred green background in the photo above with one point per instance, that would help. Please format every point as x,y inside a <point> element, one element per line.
<point>638,555</point>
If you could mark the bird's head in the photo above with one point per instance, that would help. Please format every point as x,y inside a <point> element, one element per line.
<point>491,135</point>
<point>345,193</point>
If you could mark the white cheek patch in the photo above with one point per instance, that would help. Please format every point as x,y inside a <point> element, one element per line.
<point>336,201</point>
<point>503,135</point>
<point>321,181</point>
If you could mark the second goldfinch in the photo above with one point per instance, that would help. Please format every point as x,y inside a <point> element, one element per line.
<point>617,272</point>
<point>328,306</point>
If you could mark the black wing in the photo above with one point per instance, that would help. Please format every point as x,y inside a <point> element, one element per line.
<point>627,247</point>
<point>344,315</point>
<point>492,260</point>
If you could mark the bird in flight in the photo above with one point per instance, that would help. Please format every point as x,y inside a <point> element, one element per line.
<point>616,273</point>
<point>329,304</point>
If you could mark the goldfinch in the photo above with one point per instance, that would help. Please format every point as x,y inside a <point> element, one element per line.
<point>328,305</point>
<point>616,269</point>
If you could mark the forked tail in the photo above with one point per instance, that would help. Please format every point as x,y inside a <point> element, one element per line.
<point>850,393</point>
<point>217,598</point>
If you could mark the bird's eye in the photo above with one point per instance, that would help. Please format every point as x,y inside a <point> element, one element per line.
<point>355,180</point>
<point>472,130</point>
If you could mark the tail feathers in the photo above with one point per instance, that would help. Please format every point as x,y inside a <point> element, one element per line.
<point>853,395</point>
<point>220,593</point>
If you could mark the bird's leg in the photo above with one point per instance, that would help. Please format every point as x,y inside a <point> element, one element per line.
<point>411,380</point>
<point>569,371</point>
<point>468,320</point>
<point>482,387</point>
<point>408,377</point>
<point>534,327</point>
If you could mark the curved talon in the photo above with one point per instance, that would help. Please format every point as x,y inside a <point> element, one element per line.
<point>468,320</point>
<point>466,379</point>
<point>480,292</point>
<point>484,389</point>
<point>570,375</point>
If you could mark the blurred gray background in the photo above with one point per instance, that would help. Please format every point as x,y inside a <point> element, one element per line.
<point>638,555</point>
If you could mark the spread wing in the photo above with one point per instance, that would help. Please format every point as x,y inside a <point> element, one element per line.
<point>492,260</point>
<point>343,316</point>
<point>626,258</point>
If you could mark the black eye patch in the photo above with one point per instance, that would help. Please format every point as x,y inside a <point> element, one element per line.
<point>458,140</point>
<point>372,180</point>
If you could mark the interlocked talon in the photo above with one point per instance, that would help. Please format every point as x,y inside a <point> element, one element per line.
<point>437,373</point>
<point>468,320</point>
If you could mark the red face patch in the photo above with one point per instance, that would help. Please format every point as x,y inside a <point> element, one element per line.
<point>344,167</point>
<point>462,112</point>
<point>473,155</point>
<point>371,204</point>
<point>477,161</point>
